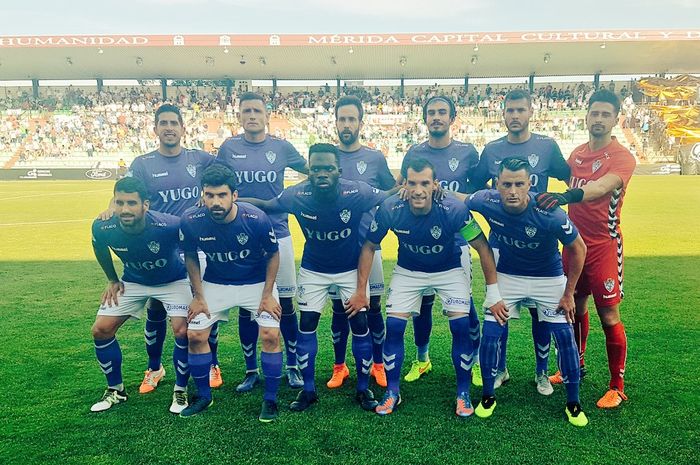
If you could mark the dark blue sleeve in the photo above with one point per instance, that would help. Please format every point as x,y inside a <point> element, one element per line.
<point>386,179</point>
<point>380,225</point>
<point>188,242</point>
<point>564,228</point>
<point>267,234</point>
<point>294,159</point>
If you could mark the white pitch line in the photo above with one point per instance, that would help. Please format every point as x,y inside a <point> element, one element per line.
<point>51,194</point>
<point>47,222</point>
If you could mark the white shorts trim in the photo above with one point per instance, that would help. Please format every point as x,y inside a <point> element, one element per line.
<point>221,298</point>
<point>543,292</point>
<point>314,288</point>
<point>286,275</point>
<point>376,277</point>
<point>175,296</point>
<point>408,287</point>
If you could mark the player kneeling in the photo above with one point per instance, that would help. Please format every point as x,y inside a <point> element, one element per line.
<point>147,243</point>
<point>530,268</point>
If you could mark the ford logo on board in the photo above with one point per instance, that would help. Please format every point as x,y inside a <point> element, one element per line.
<point>98,173</point>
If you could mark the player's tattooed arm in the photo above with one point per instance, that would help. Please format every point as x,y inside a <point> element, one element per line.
<point>268,303</point>
<point>115,287</point>
<point>359,299</point>
<point>577,257</point>
<point>493,300</point>
<point>198,304</point>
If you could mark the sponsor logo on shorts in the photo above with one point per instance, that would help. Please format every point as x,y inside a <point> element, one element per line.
<point>175,307</point>
<point>301,303</point>
<point>609,284</point>
<point>285,289</point>
<point>550,311</point>
<point>456,301</point>
<point>376,286</point>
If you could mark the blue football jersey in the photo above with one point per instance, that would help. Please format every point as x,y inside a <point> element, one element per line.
<point>151,257</point>
<point>331,230</point>
<point>174,183</point>
<point>426,242</point>
<point>259,168</point>
<point>527,242</point>
<point>237,252</point>
<point>453,164</point>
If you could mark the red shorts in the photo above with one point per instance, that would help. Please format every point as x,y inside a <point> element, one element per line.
<point>602,273</point>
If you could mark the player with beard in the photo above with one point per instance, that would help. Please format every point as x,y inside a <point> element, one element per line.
<point>172,176</point>
<point>543,155</point>
<point>453,163</point>
<point>259,161</point>
<point>359,163</point>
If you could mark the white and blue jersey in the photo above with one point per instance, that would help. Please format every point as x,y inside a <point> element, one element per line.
<point>174,183</point>
<point>237,252</point>
<point>259,169</point>
<point>151,257</point>
<point>527,242</point>
<point>331,229</point>
<point>426,242</point>
<point>367,165</point>
<point>541,152</point>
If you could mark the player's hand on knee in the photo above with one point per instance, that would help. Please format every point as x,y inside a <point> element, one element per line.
<point>499,312</point>
<point>568,307</point>
<point>355,304</point>
<point>105,215</point>
<point>270,305</point>
<point>197,306</point>
<point>110,296</point>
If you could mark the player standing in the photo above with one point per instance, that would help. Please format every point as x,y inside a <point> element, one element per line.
<point>360,163</point>
<point>242,262</point>
<point>259,161</point>
<point>543,155</point>
<point>600,173</point>
<point>147,243</point>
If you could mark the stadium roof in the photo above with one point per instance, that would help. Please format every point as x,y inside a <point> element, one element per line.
<point>350,56</point>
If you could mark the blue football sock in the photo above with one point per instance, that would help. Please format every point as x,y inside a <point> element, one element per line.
<point>474,329</point>
<point>394,351</point>
<point>422,326</point>
<point>462,352</point>
<point>289,327</point>
<point>200,364</point>
<point>154,333</point>
<point>375,321</point>
<point>214,343</point>
<point>248,333</point>
<point>362,351</point>
<point>182,369</point>
<point>504,348</point>
<point>271,363</point>
<point>489,354</point>
<point>541,338</point>
<point>340,329</point>
<point>307,348</point>
<point>109,356</point>
<point>568,359</point>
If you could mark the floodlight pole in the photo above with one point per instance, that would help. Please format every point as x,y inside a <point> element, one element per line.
<point>35,88</point>
<point>229,89</point>
<point>596,81</point>
<point>531,83</point>
<point>402,89</point>
<point>100,85</point>
<point>164,88</point>
<point>337,87</point>
<point>466,85</point>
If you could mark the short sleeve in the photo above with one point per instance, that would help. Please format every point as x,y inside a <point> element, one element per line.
<point>379,226</point>
<point>285,201</point>
<point>564,228</point>
<point>97,238</point>
<point>268,240</point>
<point>294,159</point>
<point>386,179</point>
<point>371,196</point>
<point>624,166</point>
<point>187,238</point>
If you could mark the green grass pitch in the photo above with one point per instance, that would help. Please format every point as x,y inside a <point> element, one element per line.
<point>50,284</point>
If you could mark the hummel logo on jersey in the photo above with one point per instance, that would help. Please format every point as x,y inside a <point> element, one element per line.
<point>192,170</point>
<point>238,156</point>
<point>533,159</point>
<point>120,249</point>
<point>154,246</point>
<point>596,165</point>
<point>497,162</point>
<point>491,220</point>
<point>568,227</point>
<point>273,238</point>
<point>530,231</point>
<point>453,164</point>
<point>308,217</point>
<point>579,161</point>
<point>373,226</point>
<point>345,215</point>
<point>436,232</point>
<point>271,156</point>
<point>208,238</point>
<point>242,238</point>
<point>609,284</point>
<point>361,167</point>
<point>160,175</point>
<point>402,231</point>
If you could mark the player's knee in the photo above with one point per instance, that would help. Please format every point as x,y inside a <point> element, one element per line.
<point>270,338</point>
<point>179,327</point>
<point>101,331</point>
<point>197,339</point>
<point>287,305</point>
<point>609,316</point>
<point>309,321</point>
<point>375,304</point>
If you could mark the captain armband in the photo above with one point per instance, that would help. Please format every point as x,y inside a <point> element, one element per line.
<point>471,230</point>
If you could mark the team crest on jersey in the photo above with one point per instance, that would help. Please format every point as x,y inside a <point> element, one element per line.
<point>242,238</point>
<point>154,246</point>
<point>436,232</point>
<point>596,165</point>
<point>345,215</point>
<point>192,170</point>
<point>373,226</point>
<point>271,156</point>
<point>361,166</point>
<point>530,231</point>
<point>609,284</point>
<point>533,159</point>
<point>453,164</point>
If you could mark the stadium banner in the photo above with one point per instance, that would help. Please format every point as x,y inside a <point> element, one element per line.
<point>305,40</point>
<point>64,174</point>
<point>690,158</point>
<point>658,169</point>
